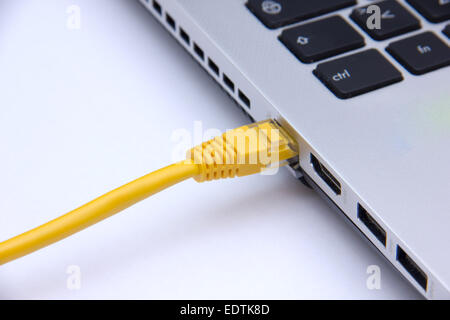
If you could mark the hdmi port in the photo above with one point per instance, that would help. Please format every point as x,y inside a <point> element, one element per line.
<point>326,175</point>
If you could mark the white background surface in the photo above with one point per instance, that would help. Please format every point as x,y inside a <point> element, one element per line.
<point>84,111</point>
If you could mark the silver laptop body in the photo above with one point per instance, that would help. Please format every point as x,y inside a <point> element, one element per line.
<point>381,157</point>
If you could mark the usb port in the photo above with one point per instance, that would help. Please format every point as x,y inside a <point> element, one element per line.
<point>326,175</point>
<point>412,268</point>
<point>371,224</point>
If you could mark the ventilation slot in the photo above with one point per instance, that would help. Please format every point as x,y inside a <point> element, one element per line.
<point>241,100</point>
<point>185,36</point>
<point>199,51</point>
<point>245,100</point>
<point>213,66</point>
<point>228,82</point>
<point>157,7</point>
<point>170,21</point>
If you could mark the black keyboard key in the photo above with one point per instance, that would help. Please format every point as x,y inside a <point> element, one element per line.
<point>422,53</point>
<point>278,13</point>
<point>433,10</point>
<point>321,39</point>
<point>446,31</point>
<point>357,73</point>
<point>395,20</point>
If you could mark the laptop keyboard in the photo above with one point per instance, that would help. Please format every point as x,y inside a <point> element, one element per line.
<point>368,70</point>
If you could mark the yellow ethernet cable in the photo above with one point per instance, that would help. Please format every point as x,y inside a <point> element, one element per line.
<point>240,152</point>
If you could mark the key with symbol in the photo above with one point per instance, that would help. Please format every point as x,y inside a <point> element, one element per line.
<point>433,10</point>
<point>422,53</point>
<point>357,73</point>
<point>321,39</point>
<point>279,13</point>
<point>385,19</point>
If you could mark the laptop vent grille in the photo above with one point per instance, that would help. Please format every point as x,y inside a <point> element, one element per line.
<point>237,94</point>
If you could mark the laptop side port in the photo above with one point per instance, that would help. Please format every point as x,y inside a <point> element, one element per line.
<point>326,175</point>
<point>371,224</point>
<point>412,268</point>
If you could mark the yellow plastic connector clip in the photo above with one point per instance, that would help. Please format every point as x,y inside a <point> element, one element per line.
<point>243,151</point>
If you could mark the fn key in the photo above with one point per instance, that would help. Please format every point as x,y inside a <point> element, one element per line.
<point>357,73</point>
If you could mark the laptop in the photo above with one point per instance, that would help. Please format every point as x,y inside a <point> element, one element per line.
<point>364,87</point>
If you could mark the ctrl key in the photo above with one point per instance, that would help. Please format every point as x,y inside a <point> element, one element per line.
<point>358,73</point>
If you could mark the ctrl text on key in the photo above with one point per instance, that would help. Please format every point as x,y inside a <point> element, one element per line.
<point>341,76</point>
